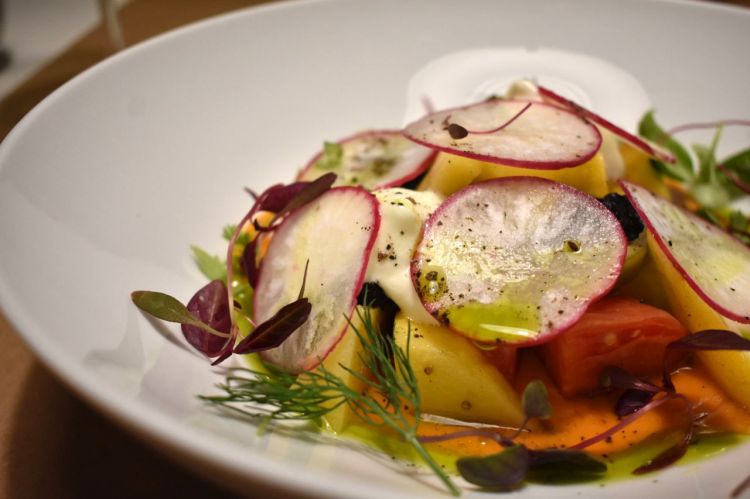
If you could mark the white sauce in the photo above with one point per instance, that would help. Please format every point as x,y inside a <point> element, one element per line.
<point>403,213</point>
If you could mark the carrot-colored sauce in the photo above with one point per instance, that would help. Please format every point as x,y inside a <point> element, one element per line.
<point>577,419</point>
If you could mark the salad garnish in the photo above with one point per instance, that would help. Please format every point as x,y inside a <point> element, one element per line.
<point>390,400</point>
<point>511,295</point>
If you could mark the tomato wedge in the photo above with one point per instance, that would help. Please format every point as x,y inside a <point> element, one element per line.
<point>613,332</point>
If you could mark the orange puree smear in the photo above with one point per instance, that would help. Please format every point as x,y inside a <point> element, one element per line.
<point>577,419</point>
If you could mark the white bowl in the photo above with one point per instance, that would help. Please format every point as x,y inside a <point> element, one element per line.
<point>105,184</point>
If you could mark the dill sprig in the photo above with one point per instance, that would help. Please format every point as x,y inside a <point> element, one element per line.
<point>275,395</point>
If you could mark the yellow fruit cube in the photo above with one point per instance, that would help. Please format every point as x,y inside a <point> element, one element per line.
<point>455,380</point>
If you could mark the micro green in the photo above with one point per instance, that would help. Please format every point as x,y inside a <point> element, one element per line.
<point>713,184</point>
<point>331,157</point>
<point>509,468</point>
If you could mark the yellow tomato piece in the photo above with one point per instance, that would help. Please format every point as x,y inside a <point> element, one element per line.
<point>348,353</point>
<point>638,170</point>
<point>590,177</point>
<point>455,380</point>
<point>450,173</point>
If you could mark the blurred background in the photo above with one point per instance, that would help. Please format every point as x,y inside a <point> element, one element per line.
<point>52,444</point>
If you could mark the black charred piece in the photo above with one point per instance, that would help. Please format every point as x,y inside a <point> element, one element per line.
<point>375,297</point>
<point>620,207</point>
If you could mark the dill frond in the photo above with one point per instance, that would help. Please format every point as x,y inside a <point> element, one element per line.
<point>278,396</point>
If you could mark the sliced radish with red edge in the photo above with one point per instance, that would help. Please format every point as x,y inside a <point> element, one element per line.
<point>510,132</point>
<point>517,259</point>
<point>335,233</point>
<point>373,159</point>
<point>712,262</point>
<point>648,147</point>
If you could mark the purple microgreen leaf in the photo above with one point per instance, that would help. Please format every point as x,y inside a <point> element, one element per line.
<point>277,329</point>
<point>167,308</point>
<point>669,456</point>
<point>309,192</point>
<point>535,401</point>
<point>504,470</point>
<point>304,281</point>
<point>248,261</point>
<point>209,305</point>
<point>666,458</point>
<point>228,347</point>
<point>617,377</point>
<point>632,400</point>
<point>276,197</point>
<point>709,339</point>
<point>252,193</point>
<point>564,461</point>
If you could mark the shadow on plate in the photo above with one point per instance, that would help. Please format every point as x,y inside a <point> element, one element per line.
<point>61,448</point>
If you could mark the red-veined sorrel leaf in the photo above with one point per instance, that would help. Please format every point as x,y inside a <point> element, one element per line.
<point>637,392</point>
<point>209,305</point>
<point>617,377</point>
<point>308,193</point>
<point>167,308</point>
<point>276,197</point>
<point>504,470</point>
<point>669,456</point>
<point>632,400</point>
<point>275,330</point>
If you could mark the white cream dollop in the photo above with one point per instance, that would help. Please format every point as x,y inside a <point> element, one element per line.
<point>403,212</point>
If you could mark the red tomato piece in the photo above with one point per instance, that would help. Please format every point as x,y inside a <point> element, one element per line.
<point>613,332</point>
<point>504,358</point>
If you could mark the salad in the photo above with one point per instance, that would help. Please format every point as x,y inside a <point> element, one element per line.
<point>512,290</point>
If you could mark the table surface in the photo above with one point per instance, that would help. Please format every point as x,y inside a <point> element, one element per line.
<point>52,444</point>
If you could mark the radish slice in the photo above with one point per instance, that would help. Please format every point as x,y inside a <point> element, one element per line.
<point>712,262</point>
<point>517,259</point>
<point>648,147</point>
<point>542,136</point>
<point>335,233</point>
<point>374,159</point>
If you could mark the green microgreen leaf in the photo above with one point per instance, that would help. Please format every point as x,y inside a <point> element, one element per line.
<point>504,471</point>
<point>740,164</point>
<point>330,159</point>
<point>569,463</point>
<point>535,401</point>
<point>167,308</point>
<point>228,231</point>
<point>738,221</point>
<point>210,265</point>
<point>682,169</point>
